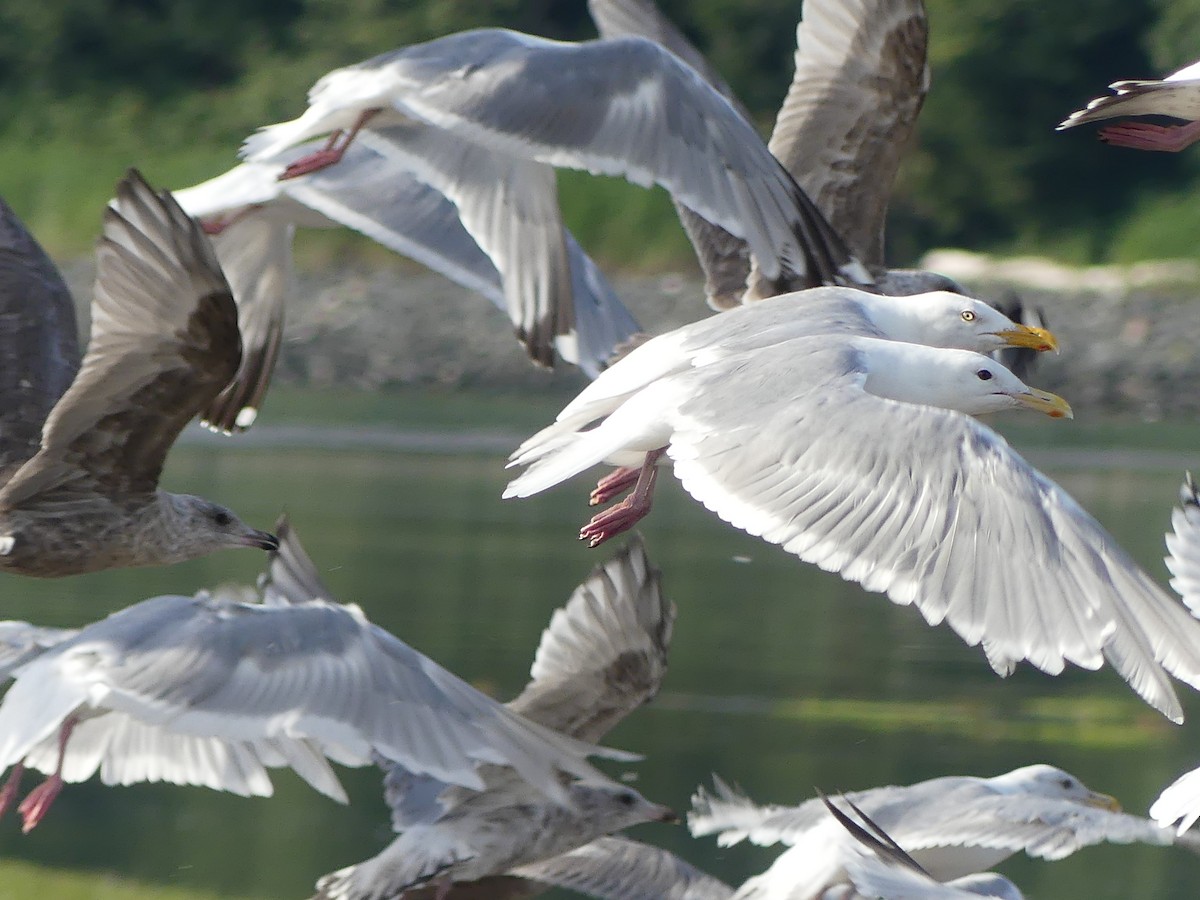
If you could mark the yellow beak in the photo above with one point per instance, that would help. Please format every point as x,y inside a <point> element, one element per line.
<point>1045,402</point>
<point>1026,336</point>
<point>1103,801</point>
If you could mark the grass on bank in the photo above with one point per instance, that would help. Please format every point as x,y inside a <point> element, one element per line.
<point>21,881</point>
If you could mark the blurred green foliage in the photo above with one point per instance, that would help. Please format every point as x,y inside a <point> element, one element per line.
<point>89,87</point>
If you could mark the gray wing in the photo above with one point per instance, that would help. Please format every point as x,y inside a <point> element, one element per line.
<point>604,653</point>
<point>617,868</point>
<point>317,673</point>
<point>20,642</point>
<point>861,78</point>
<point>1177,95</point>
<point>724,257</point>
<point>1183,546</point>
<point>291,576</point>
<point>1043,827</point>
<point>164,342</point>
<point>39,344</point>
<point>618,107</point>
<point>762,441</point>
<point>378,190</point>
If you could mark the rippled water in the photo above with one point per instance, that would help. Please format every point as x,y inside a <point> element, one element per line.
<point>783,678</point>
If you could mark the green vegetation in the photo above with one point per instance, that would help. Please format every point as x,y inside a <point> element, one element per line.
<point>90,87</point>
<point>19,881</point>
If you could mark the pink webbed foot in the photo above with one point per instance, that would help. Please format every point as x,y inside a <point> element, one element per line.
<point>331,153</point>
<point>613,483</point>
<point>12,784</point>
<point>37,803</point>
<point>629,511</point>
<point>1147,136</point>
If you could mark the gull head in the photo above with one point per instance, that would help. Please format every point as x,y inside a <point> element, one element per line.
<point>1052,783</point>
<point>209,526</point>
<point>945,319</point>
<point>960,380</point>
<point>612,807</point>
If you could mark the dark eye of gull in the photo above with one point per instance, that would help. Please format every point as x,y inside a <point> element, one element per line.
<point>984,374</point>
<point>222,518</point>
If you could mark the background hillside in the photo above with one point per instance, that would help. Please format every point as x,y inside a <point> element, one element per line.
<point>89,87</point>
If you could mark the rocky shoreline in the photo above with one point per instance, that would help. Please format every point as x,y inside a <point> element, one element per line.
<point>1130,336</point>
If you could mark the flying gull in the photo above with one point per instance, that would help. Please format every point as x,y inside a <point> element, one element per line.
<point>861,455</point>
<point>603,655</point>
<point>397,191</point>
<point>880,869</point>
<point>1176,96</point>
<point>213,691</point>
<point>616,107</point>
<point>164,343</point>
<point>952,826</point>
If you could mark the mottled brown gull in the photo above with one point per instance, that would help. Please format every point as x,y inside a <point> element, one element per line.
<point>603,655</point>
<point>164,342</point>
<point>210,690</point>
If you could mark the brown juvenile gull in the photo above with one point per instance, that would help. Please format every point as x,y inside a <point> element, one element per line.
<point>164,343</point>
<point>212,691</point>
<point>1176,96</point>
<point>952,826</point>
<point>466,223</point>
<point>603,655</point>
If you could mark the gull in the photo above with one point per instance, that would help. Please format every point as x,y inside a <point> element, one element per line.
<point>861,456</point>
<point>1176,96</point>
<point>209,690</point>
<point>952,826</point>
<point>603,655</point>
<point>880,868</point>
<point>1179,803</point>
<point>616,107</point>
<point>164,343</point>
<point>399,188</point>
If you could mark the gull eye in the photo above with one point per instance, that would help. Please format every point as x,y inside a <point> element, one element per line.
<point>627,798</point>
<point>984,374</point>
<point>968,315</point>
<point>222,518</point>
<point>1066,783</point>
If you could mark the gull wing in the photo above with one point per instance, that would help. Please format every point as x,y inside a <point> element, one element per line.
<point>1177,95</point>
<point>617,868</point>
<point>861,79</point>
<point>164,343</point>
<point>39,344</point>
<point>943,515</point>
<point>604,653</point>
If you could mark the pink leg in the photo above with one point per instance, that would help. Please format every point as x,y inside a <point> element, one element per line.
<point>12,784</point>
<point>214,227</point>
<point>613,483</point>
<point>37,802</point>
<point>332,152</point>
<point>1145,136</point>
<point>629,511</point>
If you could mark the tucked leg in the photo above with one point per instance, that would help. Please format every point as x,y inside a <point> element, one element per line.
<point>38,801</point>
<point>613,483</point>
<point>331,153</point>
<point>1146,136</point>
<point>12,784</point>
<point>629,511</point>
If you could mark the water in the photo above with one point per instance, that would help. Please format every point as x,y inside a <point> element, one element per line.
<point>783,678</point>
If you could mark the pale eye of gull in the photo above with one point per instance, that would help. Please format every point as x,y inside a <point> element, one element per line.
<point>968,315</point>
